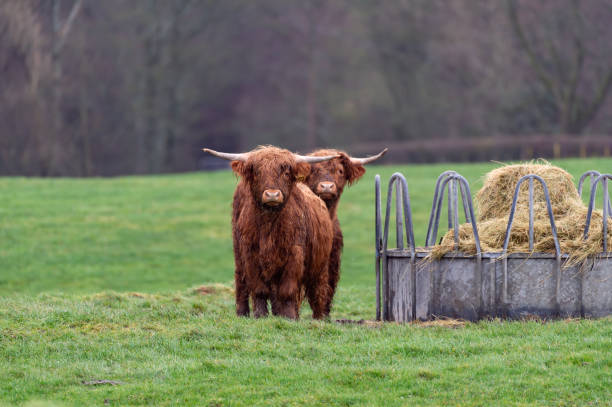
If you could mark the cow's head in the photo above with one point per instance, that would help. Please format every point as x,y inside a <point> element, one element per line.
<point>271,172</point>
<point>328,179</point>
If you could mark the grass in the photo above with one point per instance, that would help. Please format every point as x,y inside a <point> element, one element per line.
<point>189,349</point>
<point>98,278</point>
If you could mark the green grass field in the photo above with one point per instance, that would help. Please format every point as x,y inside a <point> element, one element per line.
<point>99,278</point>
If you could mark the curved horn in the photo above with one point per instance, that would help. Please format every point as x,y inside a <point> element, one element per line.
<point>368,159</point>
<point>227,156</point>
<point>313,159</point>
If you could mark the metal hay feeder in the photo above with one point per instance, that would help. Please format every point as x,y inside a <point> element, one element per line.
<point>487,284</point>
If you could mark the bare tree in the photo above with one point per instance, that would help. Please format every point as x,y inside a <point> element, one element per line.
<point>402,35</point>
<point>123,86</point>
<point>567,45</point>
<point>24,68</point>
<point>164,29</point>
<point>61,28</point>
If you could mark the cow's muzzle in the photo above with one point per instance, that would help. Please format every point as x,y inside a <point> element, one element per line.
<point>272,197</point>
<point>326,190</point>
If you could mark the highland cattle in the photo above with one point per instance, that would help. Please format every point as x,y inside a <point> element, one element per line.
<point>327,179</point>
<point>282,234</point>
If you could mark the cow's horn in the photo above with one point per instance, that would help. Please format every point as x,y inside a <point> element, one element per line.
<point>227,156</point>
<point>368,159</point>
<point>313,159</point>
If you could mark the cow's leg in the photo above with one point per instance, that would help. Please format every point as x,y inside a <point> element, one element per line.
<point>289,286</point>
<point>275,303</point>
<point>274,300</point>
<point>240,276</point>
<point>259,290</point>
<point>286,307</point>
<point>334,269</point>
<point>319,293</point>
<point>242,293</point>
<point>277,306</point>
<point>260,305</point>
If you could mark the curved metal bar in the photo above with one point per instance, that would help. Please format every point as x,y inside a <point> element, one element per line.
<point>530,214</point>
<point>402,186</point>
<point>464,199</point>
<point>553,227</point>
<point>449,207</point>
<point>398,216</point>
<point>434,235</point>
<point>548,206</point>
<point>465,191</point>
<point>434,204</point>
<point>452,207</point>
<point>591,174</point>
<point>464,186</point>
<point>467,197</point>
<point>454,216</point>
<point>407,213</point>
<point>377,214</point>
<point>606,209</point>
<point>606,201</point>
<point>378,242</point>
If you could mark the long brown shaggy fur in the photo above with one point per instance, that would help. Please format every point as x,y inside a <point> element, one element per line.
<point>341,171</point>
<point>280,251</point>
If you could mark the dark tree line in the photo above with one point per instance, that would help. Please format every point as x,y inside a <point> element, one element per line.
<point>139,86</point>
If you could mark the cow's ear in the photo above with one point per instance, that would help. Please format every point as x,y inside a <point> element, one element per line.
<point>242,169</point>
<point>352,172</point>
<point>301,171</point>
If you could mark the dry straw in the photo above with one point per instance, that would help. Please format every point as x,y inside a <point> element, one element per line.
<point>494,201</point>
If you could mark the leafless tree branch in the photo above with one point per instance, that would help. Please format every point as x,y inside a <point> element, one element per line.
<point>67,25</point>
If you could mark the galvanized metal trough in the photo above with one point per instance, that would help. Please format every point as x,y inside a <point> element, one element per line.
<point>486,285</point>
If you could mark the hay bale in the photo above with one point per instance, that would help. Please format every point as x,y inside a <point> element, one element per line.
<point>494,199</point>
<point>493,203</point>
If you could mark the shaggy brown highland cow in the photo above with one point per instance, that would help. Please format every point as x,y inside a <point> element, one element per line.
<point>327,180</point>
<point>282,234</point>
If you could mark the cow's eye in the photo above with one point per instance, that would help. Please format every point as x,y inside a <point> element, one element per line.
<point>287,174</point>
<point>340,171</point>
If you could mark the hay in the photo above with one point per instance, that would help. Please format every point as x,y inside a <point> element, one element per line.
<point>441,322</point>
<point>494,201</point>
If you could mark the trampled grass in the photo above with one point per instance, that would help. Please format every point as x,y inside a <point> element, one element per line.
<point>97,278</point>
